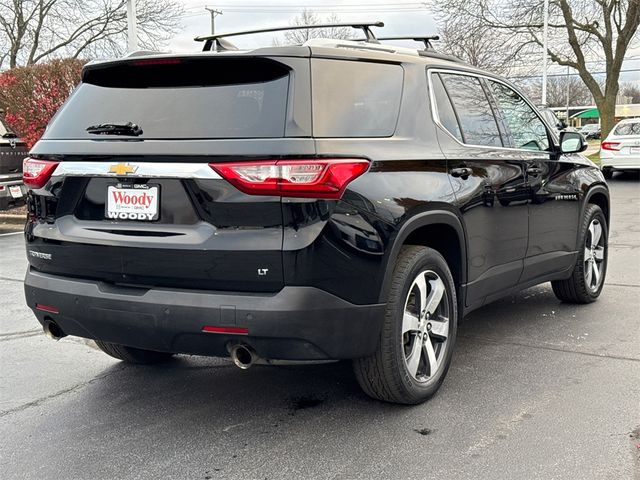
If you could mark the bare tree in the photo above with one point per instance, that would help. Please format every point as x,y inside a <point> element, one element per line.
<point>630,90</point>
<point>560,90</point>
<point>580,30</point>
<point>476,44</point>
<point>33,30</point>
<point>308,17</point>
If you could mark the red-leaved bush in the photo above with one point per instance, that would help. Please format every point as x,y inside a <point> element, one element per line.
<point>31,95</point>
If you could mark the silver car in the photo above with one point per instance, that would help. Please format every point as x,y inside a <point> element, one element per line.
<point>621,149</point>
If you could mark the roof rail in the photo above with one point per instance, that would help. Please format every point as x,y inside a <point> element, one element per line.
<point>425,39</point>
<point>221,44</point>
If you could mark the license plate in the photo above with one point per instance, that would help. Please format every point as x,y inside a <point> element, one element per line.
<point>132,202</point>
<point>634,150</point>
<point>15,191</point>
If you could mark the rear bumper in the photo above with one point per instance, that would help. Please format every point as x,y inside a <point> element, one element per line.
<point>619,162</point>
<point>297,323</point>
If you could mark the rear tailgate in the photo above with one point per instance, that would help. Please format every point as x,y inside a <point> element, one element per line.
<point>12,153</point>
<point>148,210</point>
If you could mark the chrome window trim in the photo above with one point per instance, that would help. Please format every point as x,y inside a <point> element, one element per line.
<point>436,118</point>
<point>143,170</point>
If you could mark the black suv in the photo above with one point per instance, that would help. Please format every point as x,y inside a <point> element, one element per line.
<point>335,200</point>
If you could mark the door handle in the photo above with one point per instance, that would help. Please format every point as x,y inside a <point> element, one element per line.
<point>534,171</point>
<point>462,172</point>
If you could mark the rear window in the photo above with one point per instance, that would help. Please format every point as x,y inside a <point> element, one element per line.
<point>627,129</point>
<point>477,122</point>
<point>195,99</point>
<point>355,99</point>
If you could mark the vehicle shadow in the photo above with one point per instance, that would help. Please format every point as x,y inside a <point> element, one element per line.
<point>213,393</point>
<point>626,176</point>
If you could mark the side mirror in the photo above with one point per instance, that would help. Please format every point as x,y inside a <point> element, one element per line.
<point>572,142</point>
<point>561,125</point>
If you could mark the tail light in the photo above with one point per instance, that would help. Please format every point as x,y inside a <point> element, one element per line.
<point>615,146</point>
<point>36,173</point>
<point>317,178</point>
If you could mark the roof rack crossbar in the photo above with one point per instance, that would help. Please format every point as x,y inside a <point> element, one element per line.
<point>220,44</point>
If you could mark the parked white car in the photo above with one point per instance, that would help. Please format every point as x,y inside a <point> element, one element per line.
<point>621,149</point>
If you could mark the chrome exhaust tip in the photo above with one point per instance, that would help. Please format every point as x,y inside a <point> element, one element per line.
<point>53,330</point>
<point>243,356</point>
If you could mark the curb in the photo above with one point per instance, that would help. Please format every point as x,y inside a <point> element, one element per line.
<point>12,219</point>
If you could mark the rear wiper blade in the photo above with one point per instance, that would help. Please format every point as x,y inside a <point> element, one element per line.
<point>115,129</point>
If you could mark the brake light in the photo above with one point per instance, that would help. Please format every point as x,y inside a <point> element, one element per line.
<point>615,146</point>
<point>36,173</point>
<point>318,178</point>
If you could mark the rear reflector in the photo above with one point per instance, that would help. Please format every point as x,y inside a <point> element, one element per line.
<point>227,330</point>
<point>47,308</point>
<point>615,146</point>
<point>36,173</point>
<point>316,178</point>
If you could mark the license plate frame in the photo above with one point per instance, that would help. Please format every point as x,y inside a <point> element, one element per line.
<point>116,209</point>
<point>15,191</point>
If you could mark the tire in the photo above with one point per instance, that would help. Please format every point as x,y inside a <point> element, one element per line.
<point>389,374</point>
<point>607,173</point>
<point>133,355</point>
<point>582,286</point>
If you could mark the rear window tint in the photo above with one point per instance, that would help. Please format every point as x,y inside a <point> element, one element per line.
<point>446,115</point>
<point>627,129</point>
<point>355,99</point>
<point>169,107</point>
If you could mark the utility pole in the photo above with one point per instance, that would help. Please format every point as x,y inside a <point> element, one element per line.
<point>568,88</point>
<point>132,28</point>
<point>214,13</point>
<point>545,39</point>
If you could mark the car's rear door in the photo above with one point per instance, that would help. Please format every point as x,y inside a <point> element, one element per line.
<point>488,181</point>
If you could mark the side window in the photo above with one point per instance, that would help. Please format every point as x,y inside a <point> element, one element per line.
<point>446,115</point>
<point>475,114</point>
<point>526,129</point>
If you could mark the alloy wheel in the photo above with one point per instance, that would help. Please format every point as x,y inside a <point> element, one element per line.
<point>594,255</point>
<point>425,326</point>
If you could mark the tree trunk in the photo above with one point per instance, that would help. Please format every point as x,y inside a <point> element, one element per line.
<point>607,108</point>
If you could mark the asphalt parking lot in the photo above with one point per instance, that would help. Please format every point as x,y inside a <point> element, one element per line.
<point>537,389</point>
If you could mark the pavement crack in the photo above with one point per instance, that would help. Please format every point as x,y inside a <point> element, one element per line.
<point>9,279</point>
<point>43,400</point>
<point>5,337</point>
<point>548,347</point>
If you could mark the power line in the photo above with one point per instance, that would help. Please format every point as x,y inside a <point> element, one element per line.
<point>320,5</point>
<point>571,74</point>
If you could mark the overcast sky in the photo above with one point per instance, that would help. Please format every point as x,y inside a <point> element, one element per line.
<point>401,17</point>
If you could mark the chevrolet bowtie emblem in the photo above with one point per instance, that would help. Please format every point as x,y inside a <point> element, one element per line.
<point>122,168</point>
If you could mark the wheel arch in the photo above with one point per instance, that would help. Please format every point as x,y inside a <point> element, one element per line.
<point>450,243</point>
<point>598,195</point>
